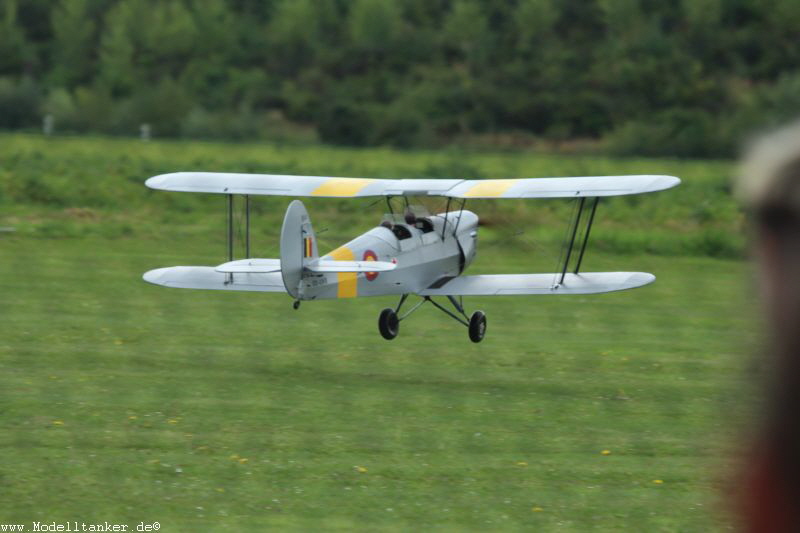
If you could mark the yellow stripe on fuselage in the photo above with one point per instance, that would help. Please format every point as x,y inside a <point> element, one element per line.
<point>490,188</point>
<point>347,286</point>
<point>341,187</point>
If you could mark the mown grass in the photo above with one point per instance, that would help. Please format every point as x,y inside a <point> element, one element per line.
<point>127,402</point>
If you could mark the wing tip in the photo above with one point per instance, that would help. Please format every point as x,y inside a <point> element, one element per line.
<point>640,279</point>
<point>664,182</point>
<point>175,181</point>
<point>159,182</point>
<point>154,276</point>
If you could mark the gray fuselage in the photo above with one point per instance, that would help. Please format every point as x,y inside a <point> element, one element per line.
<point>423,257</point>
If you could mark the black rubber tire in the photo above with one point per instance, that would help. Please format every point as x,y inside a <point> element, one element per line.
<point>388,324</point>
<point>477,326</point>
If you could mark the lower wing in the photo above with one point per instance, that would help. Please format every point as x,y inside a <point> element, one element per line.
<point>250,274</point>
<point>511,284</point>
<point>203,277</point>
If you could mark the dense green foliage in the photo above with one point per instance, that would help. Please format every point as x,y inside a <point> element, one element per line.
<point>651,78</point>
<point>212,411</point>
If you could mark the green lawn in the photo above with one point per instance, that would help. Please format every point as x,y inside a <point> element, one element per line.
<point>125,402</point>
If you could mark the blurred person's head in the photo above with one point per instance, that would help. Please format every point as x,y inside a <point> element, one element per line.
<point>769,187</point>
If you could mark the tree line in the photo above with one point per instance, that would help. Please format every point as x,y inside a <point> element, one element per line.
<point>685,78</point>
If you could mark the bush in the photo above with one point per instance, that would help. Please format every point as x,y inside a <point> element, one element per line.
<point>95,109</point>
<point>396,126</point>
<point>19,103</point>
<point>763,107</point>
<point>675,132</point>
<point>203,124</point>
<point>61,106</point>
<point>163,106</point>
<point>346,124</point>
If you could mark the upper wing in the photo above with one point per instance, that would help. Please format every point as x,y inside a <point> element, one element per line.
<point>284,185</point>
<point>509,284</point>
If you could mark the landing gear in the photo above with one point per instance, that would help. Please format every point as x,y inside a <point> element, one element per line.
<point>388,324</point>
<point>296,305</point>
<point>477,326</point>
<point>389,319</point>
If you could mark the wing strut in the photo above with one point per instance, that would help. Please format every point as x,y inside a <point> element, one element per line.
<point>230,227</point>
<point>247,226</point>
<point>446,211</point>
<point>230,230</point>
<point>586,233</point>
<point>576,223</point>
<point>229,277</point>
<point>460,212</point>
<point>446,214</point>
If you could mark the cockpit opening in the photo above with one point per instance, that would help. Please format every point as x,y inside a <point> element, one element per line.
<point>401,232</point>
<point>424,224</point>
<point>401,225</point>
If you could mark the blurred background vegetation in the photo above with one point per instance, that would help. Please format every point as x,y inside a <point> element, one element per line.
<point>624,77</point>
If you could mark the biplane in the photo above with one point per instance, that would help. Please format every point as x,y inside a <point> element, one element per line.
<point>409,253</point>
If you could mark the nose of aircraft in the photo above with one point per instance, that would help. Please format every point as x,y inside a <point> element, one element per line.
<point>469,220</point>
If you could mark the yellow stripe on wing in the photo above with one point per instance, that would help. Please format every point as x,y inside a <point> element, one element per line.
<point>343,187</point>
<point>490,188</point>
<point>347,286</point>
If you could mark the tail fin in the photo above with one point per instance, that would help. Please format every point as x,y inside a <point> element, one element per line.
<point>298,246</point>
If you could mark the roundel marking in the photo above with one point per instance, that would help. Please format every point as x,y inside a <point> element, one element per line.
<point>369,255</point>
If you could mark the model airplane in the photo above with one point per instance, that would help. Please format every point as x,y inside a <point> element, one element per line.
<point>412,254</point>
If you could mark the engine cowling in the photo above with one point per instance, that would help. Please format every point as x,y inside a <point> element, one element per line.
<point>468,237</point>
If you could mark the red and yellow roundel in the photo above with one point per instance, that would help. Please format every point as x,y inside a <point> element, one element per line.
<point>369,255</point>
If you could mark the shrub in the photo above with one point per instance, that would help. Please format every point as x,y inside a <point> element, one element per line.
<point>19,103</point>
<point>676,132</point>
<point>203,124</point>
<point>346,124</point>
<point>60,104</point>
<point>94,109</point>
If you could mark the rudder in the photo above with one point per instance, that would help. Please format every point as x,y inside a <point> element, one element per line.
<point>298,246</point>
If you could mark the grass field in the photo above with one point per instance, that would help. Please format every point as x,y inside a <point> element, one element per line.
<point>125,402</point>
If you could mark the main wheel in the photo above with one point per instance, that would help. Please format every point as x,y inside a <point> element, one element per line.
<point>388,324</point>
<point>477,326</point>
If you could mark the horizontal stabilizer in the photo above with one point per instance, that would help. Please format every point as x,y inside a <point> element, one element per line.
<point>324,265</point>
<point>251,266</point>
<point>511,284</point>
<point>205,277</point>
